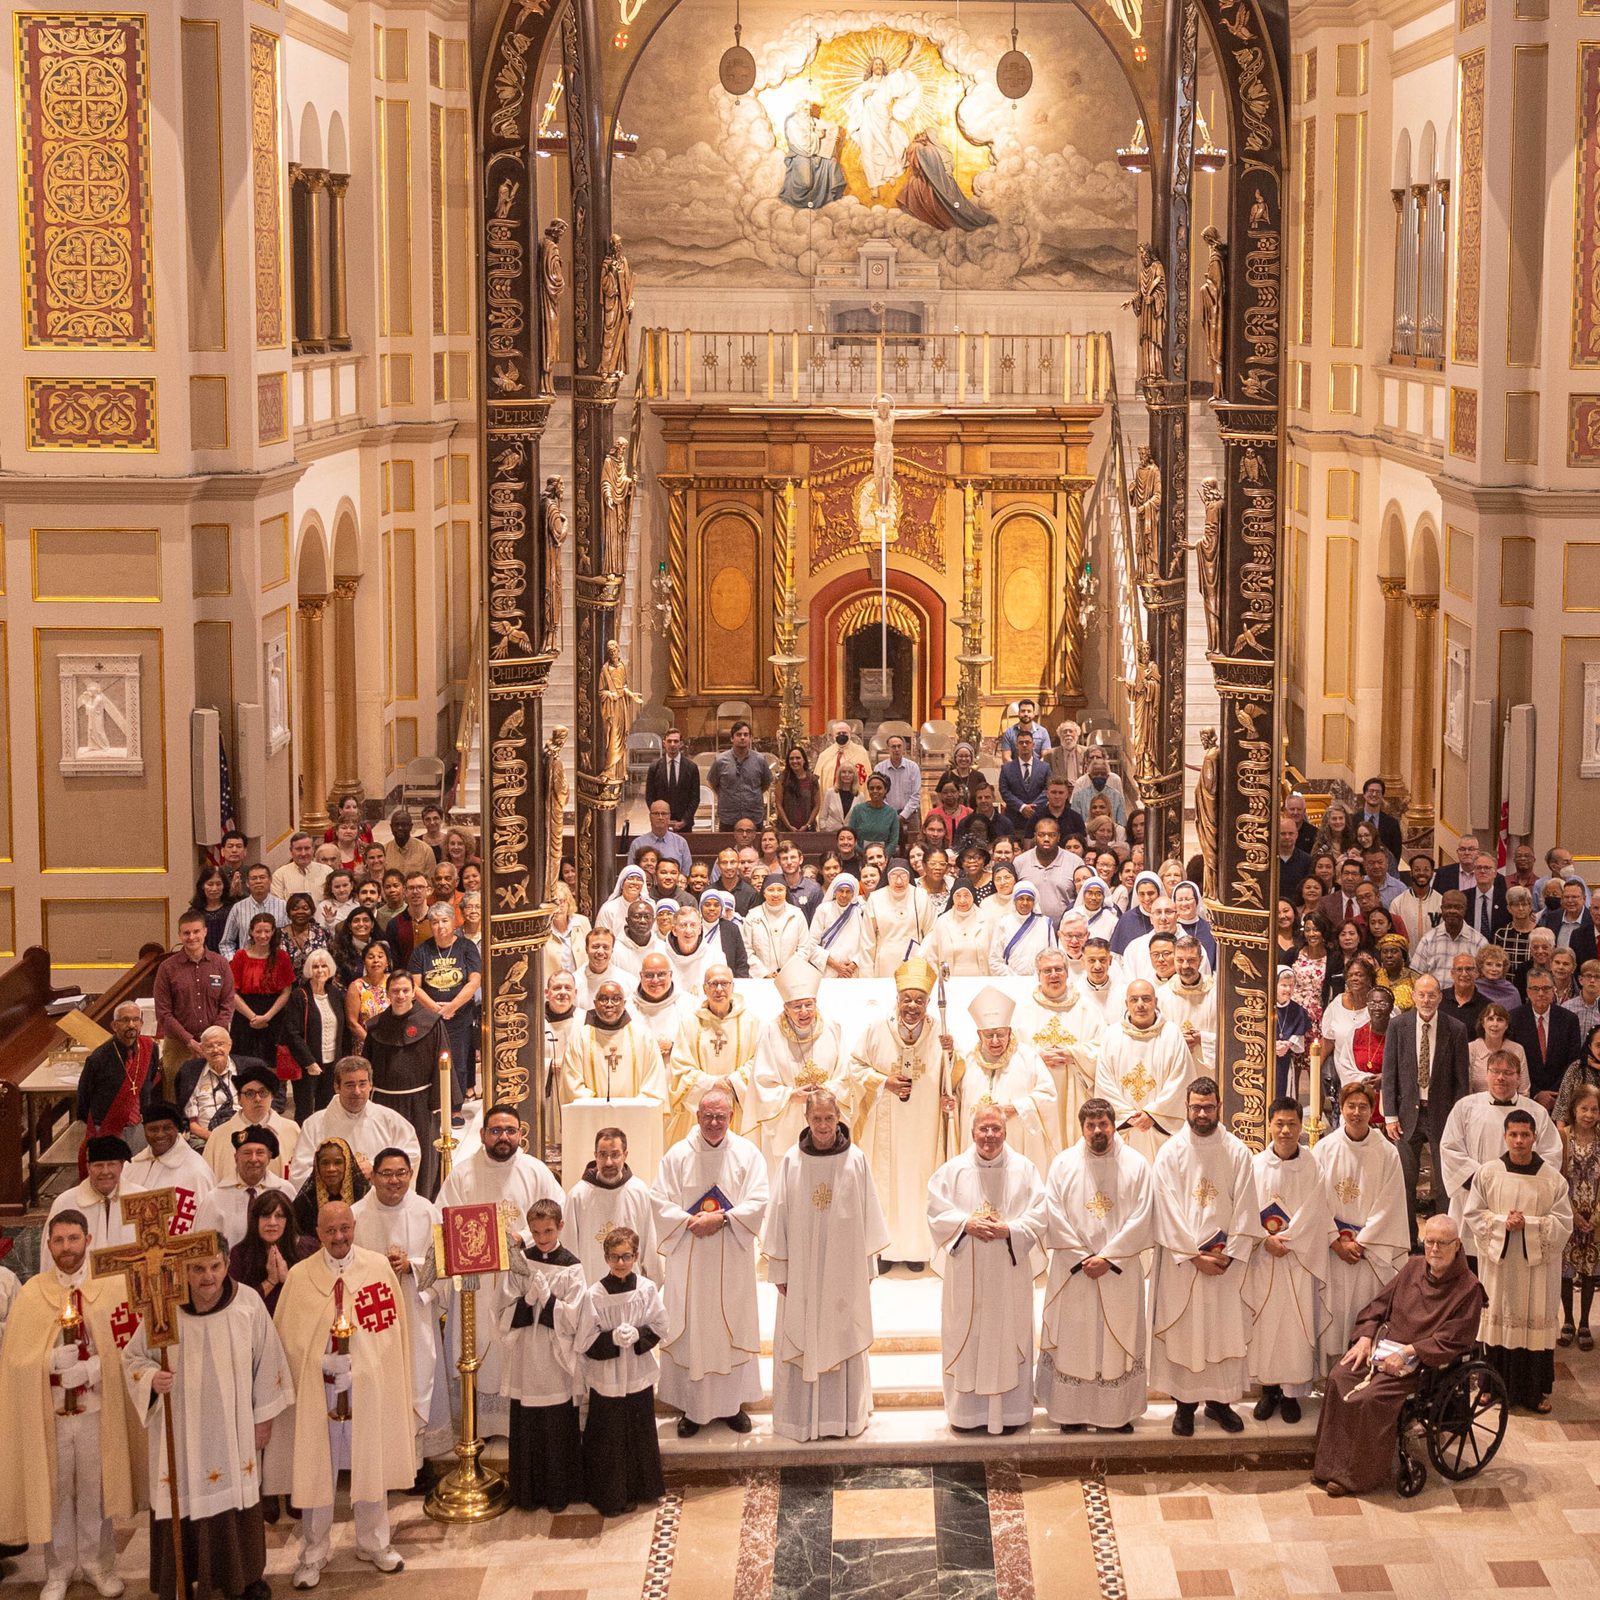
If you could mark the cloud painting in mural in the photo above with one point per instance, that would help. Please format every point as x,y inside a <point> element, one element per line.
<point>862,127</point>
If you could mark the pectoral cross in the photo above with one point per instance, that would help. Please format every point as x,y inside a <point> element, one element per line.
<point>155,1266</point>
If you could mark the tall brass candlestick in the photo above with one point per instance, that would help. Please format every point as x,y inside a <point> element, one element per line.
<point>446,1143</point>
<point>470,1492</point>
<point>1317,1127</point>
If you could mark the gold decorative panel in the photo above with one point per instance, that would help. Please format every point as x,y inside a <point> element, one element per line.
<point>1464,423</point>
<point>1586,255</point>
<point>96,564</point>
<point>83,156</point>
<point>1344,388</point>
<point>1516,571</point>
<point>1350,69</point>
<point>6,848</point>
<point>1530,73</point>
<point>266,189</point>
<point>394,218</point>
<point>1022,589</point>
<point>1308,218</point>
<point>1349,221</point>
<point>400,597</point>
<point>1338,642</point>
<point>116,414</point>
<point>1335,737</point>
<point>838,472</point>
<point>101,934</point>
<point>1473,12</point>
<point>1469,205</point>
<point>1583,430</point>
<point>8,922</point>
<point>729,631</point>
<point>1344,494</point>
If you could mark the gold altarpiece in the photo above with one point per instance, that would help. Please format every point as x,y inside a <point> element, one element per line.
<point>990,536</point>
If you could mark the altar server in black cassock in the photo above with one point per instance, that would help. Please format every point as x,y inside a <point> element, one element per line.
<point>403,1046</point>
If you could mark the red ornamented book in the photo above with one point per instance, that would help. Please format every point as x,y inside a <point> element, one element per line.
<point>471,1239</point>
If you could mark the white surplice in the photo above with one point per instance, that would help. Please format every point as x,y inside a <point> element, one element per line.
<point>986,1307</point>
<point>593,1210</point>
<point>1367,1193</point>
<point>182,1169</point>
<point>1475,1133</point>
<point>1199,1329</point>
<point>1195,1008</point>
<point>370,1130</point>
<point>1520,1268</point>
<point>1094,1332</point>
<point>1284,1293</point>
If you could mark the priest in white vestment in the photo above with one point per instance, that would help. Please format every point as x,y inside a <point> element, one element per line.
<point>562,1020</point>
<point>711,1196</point>
<point>905,1107</point>
<point>373,1377</point>
<point>715,1045</point>
<point>898,917</point>
<point>99,1195</point>
<point>1144,1071</point>
<point>659,1005</point>
<point>599,968</point>
<point>1097,1216</point>
<point>613,1056</point>
<point>607,1195</point>
<point>1475,1132</point>
<point>1003,1071</point>
<point>824,1231</point>
<point>1103,986</point>
<point>397,1222</point>
<point>351,1116</point>
<point>1366,1187</point>
<point>1065,1035</point>
<point>984,1219</point>
<point>228,1379</point>
<point>1190,1000</point>
<point>773,930</point>
<point>1284,1289</point>
<point>1519,1216</point>
<point>169,1161</point>
<point>798,1052</point>
<point>1207,1225</point>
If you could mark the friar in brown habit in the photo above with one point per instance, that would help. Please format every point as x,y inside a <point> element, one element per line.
<point>1429,1311</point>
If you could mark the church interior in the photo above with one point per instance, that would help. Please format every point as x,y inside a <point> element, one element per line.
<point>451,431</point>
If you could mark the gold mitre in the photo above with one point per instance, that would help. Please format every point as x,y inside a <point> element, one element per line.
<point>917,973</point>
<point>991,1008</point>
<point>797,979</point>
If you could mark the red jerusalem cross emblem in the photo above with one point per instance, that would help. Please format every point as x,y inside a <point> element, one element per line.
<point>124,1324</point>
<point>375,1309</point>
<point>184,1214</point>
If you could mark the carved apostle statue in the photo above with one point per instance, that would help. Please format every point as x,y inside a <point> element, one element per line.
<point>616,309</point>
<point>1205,809</point>
<point>1149,305</point>
<point>553,526</point>
<point>552,285</point>
<point>616,508</point>
<point>1209,549</point>
<point>1144,497</point>
<point>619,705</point>
<point>1144,706</point>
<point>555,808</point>
<point>1214,305</point>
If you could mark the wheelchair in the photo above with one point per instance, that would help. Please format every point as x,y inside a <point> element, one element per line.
<point>1457,1417</point>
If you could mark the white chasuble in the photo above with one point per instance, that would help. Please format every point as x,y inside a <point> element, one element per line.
<point>986,1305</point>
<point>1367,1195</point>
<point>709,1048</point>
<point>1148,1070</point>
<point>709,1361</point>
<point>1284,1293</point>
<point>1094,1333</point>
<point>1017,1080</point>
<point>1106,1001</point>
<point>902,1139</point>
<point>621,1063</point>
<point>824,1230</point>
<point>786,1064</point>
<point>1475,1133</point>
<point>1065,1035</point>
<point>1520,1268</point>
<point>232,1373</point>
<point>1194,1012</point>
<point>1199,1330</point>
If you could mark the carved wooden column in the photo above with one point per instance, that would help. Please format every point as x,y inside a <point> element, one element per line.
<point>346,758</point>
<point>677,488</point>
<point>338,259</point>
<point>1251,41</point>
<point>1165,589</point>
<point>1425,719</point>
<point>313,716</point>
<point>1394,656</point>
<point>594,398</point>
<point>514,563</point>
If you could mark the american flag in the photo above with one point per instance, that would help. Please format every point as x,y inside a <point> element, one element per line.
<point>224,785</point>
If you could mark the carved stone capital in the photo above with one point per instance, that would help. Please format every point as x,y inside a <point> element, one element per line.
<point>602,591</point>
<point>338,183</point>
<point>1393,588</point>
<point>1425,607</point>
<point>345,588</point>
<point>312,606</point>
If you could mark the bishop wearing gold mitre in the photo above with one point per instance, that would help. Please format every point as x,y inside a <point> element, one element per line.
<point>342,1321</point>
<point>1145,1067</point>
<point>897,1068</point>
<point>76,1450</point>
<point>1065,1035</point>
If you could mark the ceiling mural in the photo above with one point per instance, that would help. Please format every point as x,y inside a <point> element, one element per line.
<point>866,126</point>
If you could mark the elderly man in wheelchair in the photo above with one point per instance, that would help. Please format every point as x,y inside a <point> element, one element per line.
<point>1408,1375</point>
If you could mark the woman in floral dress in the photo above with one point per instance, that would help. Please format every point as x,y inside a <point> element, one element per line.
<point>1580,1261</point>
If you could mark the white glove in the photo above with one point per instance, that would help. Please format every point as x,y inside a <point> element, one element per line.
<point>538,1290</point>
<point>81,1374</point>
<point>340,1384</point>
<point>63,1357</point>
<point>335,1367</point>
<point>626,1335</point>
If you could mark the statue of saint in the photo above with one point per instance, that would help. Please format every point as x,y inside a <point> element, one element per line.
<point>1149,305</point>
<point>552,285</point>
<point>1209,549</point>
<point>1144,497</point>
<point>553,524</point>
<point>555,808</point>
<point>619,705</point>
<point>616,309</point>
<point>1144,706</point>
<point>616,507</point>
<point>1205,809</point>
<point>1214,305</point>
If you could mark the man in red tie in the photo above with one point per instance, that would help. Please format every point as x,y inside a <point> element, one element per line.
<point>1548,1034</point>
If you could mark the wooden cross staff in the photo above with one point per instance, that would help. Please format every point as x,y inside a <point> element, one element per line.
<point>156,1270</point>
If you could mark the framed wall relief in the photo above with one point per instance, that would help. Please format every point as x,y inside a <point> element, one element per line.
<point>1589,759</point>
<point>100,717</point>
<point>1457,674</point>
<point>277,690</point>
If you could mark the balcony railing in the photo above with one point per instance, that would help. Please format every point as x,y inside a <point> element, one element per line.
<point>805,368</point>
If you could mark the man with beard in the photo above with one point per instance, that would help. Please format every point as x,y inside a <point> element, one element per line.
<point>1065,1035</point>
<point>613,1056</point>
<point>983,1216</point>
<point>1004,1072</point>
<point>365,1126</point>
<point>403,1044</point>
<point>1191,1002</point>
<point>659,1004</point>
<point>1097,1217</point>
<point>902,1100</point>
<point>118,1079</point>
<point>609,1196</point>
<point>714,1047</point>
<point>1144,1069</point>
<point>1207,1224</point>
<point>561,1023</point>
<point>824,1229</point>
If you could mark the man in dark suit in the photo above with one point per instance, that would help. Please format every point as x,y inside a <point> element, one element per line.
<point>1386,827</point>
<point>1294,864</point>
<point>1425,1072</point>
<point>1585,943</point>
<point>1486,899</point>
<point>1024,782</point>
<point>675,779</point>
<point>1548,1034</point>
<point>1571,919</point>
<point>1458,875</point>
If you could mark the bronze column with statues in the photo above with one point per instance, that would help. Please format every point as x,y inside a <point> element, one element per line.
<point>519,566</point>
<point>1252,45</point>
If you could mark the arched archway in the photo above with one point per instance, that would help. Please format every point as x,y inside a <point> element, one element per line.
<point>846,606</point>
